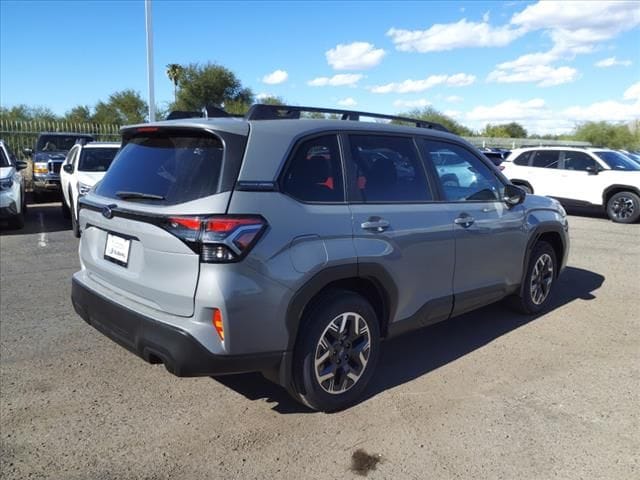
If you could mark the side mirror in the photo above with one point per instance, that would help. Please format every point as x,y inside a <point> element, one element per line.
<point>27,151</point>
<point>21,165</point>
<point>593,169</point>
<point>513,195</point>
<point>68,168</point>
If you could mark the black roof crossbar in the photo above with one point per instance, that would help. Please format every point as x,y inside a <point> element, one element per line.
<point>272,112</point>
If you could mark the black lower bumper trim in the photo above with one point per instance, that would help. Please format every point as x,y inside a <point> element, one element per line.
<point>158,342</point>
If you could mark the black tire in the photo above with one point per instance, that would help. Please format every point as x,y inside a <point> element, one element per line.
<point>528,300</point>
<point>624,207</point>
<point>66,213</point>
<point>74,224</point>
<point>343,357</point>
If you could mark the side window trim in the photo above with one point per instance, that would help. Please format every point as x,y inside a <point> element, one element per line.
<point>290,155</point>
<point>352,195</point>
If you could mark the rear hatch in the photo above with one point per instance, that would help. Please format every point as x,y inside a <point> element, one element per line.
<point>131,243</point>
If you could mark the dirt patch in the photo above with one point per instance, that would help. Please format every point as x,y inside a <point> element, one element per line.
<point>362,462</point>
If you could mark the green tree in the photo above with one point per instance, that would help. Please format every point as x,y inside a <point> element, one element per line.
<point>606,134</point>
<point>25,113</point>
<point>272,100</point>
<point>79,114</point>
<point>432,115</point>
<point>211,84</point>
<point>505,130</point>
<point>174,72</point>
<point>122,108</point>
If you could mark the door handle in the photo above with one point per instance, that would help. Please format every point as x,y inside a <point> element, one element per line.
<point>375,223</point>
<point>464,220</point>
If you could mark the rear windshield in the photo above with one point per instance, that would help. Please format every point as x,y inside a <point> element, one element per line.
<point>166,168</point>
<point>96,159</point>
<point>58,143</point>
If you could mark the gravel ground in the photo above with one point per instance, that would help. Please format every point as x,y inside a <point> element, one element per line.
<point>487,395</point>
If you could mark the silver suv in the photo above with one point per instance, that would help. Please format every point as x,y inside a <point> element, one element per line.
<point>292,246</point>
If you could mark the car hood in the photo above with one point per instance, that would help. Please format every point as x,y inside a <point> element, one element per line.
<point>6,172</point>
<point>46,156</point>
<point>533,202</point>
<point>90,178</point>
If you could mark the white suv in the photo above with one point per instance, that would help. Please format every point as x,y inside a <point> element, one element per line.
<point>12,198</point>
<point>579,177</point>
<point>84,166</point>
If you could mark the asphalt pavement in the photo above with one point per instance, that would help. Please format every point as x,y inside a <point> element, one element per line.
<point>489,395</point>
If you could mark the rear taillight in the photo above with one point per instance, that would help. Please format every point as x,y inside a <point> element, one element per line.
<point>218,239</point>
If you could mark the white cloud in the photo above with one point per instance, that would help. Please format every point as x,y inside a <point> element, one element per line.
<point>421,102</point>
<point>633,92</point>
<point>454,99</point>
<point>538,118</point>
<point>453,113</point>
<point>347,102</point>
<point>276,77</point>
<point>610,111</point>
<point>612,62</point>
<point>340,80</point>
<point>447,36</point>
<point>542,75</point>
<point>412,86</point>
<point>354,56</point>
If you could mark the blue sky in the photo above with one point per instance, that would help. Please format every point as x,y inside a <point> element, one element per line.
<point>547,65</point>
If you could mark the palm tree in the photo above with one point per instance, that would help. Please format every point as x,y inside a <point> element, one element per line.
<point>174,72</point>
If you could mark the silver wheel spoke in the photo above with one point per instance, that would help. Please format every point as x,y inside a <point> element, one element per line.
<point>342,353</point>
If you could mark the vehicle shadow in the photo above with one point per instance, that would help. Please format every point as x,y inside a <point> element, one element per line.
<point>408,357</point>
<point>39,218</point>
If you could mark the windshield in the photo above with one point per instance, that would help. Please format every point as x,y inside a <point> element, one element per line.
<point>58,143</point>
<point>617,161</point>
<point>96,159</point>
<point>174,168</point>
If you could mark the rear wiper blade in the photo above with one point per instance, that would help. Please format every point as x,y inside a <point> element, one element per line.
<point>146,196</point>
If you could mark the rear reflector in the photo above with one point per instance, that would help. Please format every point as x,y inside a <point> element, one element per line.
<point>217,323</point>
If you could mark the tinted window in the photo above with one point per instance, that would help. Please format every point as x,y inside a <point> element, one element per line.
<point>523,159</point>
<point>4,161</point>
<point>96,159</point>
<point>176,168</point>
<point>618,161</point>
<point>387,169</point>
<point>546,158</point>
<point>314,174</point>
<point>463,176</point>
<point>577,161</point>
<point>58,143</point>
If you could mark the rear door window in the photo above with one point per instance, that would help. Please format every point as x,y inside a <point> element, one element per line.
<point>386,169</point>
<point>314,173</point>
<point>166,168</point>
<point>546,159</point>
<point>522,159</point>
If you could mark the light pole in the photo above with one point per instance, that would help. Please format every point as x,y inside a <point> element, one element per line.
<point>152,100</point>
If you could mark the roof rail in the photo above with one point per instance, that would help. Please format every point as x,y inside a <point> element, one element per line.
<point>262,111</point>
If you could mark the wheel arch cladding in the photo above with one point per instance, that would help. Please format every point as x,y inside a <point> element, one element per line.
<point>611,190</point>
<point>370,281</point>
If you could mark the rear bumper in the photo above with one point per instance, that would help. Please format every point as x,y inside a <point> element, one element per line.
<point>156,342</point>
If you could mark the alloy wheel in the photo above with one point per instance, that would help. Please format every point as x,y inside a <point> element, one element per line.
<point>342,353</point>
<point>541,279</point>
<point>623,207</point>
